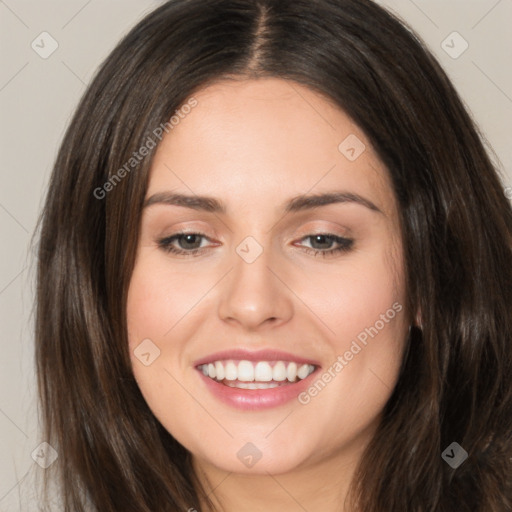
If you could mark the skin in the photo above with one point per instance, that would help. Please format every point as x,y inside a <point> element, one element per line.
<point>253,145</point>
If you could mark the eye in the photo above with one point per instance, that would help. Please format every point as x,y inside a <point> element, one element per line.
<point>324,241</point>
<point>190,242</point>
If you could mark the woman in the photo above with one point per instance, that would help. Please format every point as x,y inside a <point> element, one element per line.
<point>259,367</point>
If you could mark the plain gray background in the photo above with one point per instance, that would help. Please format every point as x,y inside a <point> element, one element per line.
<point>37,98</point>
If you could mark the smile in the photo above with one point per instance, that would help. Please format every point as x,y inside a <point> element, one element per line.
<point>256,374</point>
<point>255,385</point>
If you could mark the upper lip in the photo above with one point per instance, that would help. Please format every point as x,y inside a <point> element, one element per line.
<point>258,355</point>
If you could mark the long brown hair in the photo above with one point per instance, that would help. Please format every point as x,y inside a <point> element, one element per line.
<point>455,382</point>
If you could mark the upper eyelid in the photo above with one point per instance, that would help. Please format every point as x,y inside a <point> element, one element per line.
<point>336,227</point>
<point>345,231</point>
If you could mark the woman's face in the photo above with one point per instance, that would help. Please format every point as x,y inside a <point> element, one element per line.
<point>280,285</point>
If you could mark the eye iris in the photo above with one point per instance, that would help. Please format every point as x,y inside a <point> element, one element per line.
<point>322,238</point>
<point>187,238</point>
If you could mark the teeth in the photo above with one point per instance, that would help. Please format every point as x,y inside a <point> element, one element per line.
<point>245,371</point>
<point>260,375</point>
<point>263,372</point>
<point>231,371</point>
<point>303,371</point>
<point>253,385</point>
<point>279,371</point>
<point>291,371</point>
<point>219,370</point>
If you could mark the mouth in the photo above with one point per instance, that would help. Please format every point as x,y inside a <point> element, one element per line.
<point>251,375</point>
<point>255,384</point>
<point>252,380</point>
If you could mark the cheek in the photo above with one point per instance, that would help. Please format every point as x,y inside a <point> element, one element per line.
<point>157,301</point>
<point>352,296</point>
<point>161,307</point>
<point>363,306</point>
<point>159,298</point>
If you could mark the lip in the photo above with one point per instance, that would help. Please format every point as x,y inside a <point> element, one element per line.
<point>258,355</point>
<point>256,399</point>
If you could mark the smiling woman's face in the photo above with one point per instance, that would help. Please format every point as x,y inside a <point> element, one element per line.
<point>317,286</point>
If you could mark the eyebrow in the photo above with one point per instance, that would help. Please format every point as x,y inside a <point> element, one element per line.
<point>295,204</point>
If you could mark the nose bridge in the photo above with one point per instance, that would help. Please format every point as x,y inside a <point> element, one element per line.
<point>253,294</point>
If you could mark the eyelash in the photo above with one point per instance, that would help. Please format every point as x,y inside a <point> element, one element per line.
<point>345,245</point>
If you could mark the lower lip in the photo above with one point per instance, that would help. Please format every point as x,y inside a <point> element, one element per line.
<point>256,399</point>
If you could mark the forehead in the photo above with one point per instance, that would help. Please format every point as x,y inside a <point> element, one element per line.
<point>264,140</point>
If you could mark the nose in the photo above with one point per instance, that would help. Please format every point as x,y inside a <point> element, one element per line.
<point>256,294</point>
